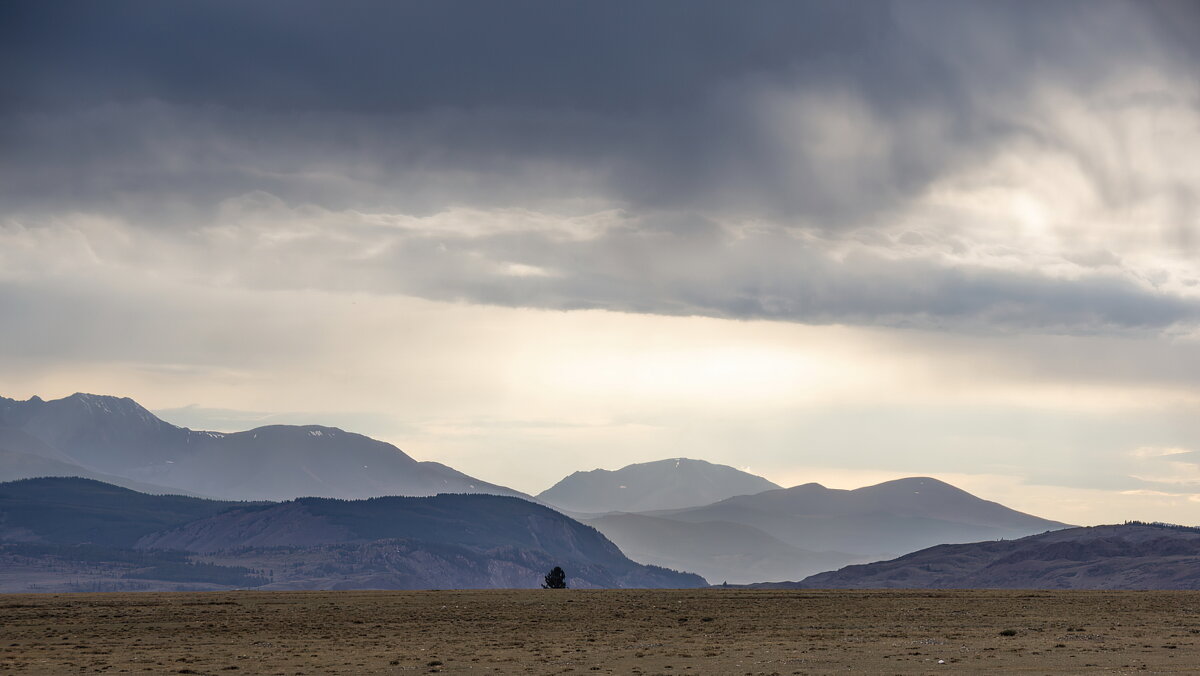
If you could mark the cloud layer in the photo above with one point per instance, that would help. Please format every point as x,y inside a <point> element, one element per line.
<point>912,164</point>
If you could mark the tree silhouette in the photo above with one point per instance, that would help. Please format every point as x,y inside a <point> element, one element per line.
<point>555,579</point>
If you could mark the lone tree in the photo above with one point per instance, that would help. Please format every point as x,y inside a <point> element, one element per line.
<point>555,579</point>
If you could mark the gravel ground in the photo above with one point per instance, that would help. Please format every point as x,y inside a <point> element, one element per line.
<point>713,631</point>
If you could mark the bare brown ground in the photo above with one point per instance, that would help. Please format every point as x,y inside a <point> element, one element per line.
<point>617,632</point>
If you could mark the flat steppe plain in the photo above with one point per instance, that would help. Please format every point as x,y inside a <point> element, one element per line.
<point>711,631</point>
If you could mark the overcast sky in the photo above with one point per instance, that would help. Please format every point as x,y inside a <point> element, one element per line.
<point>824,241</point>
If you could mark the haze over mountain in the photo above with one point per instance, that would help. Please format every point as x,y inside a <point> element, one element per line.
<point>719,550</point>
<point>51,526</point>
<point>891,517</point>
<point>806,529</point>
<point>663,484</point>
<point>15,465</point>
<point>679,513</point>
<point>116,437</point>
<point>24,456</point>
<point>1129,556</point>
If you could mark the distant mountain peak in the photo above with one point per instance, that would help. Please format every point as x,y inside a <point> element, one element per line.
<point>916,489</point>
<point>917,482</point>
<point>104,404</point>
<point>669,463</point>
<point>320,431</point>
<point>89,398</point>
<point>119,438</point>
<point>670,483</point>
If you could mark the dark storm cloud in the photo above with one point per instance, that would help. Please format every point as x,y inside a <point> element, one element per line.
<point>828,116</point>
<point>655,90</point>
<point>390,57</point>
<point>630,86</point>
<point>614,56</point>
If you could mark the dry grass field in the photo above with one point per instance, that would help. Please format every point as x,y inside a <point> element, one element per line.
<point>616,632</point>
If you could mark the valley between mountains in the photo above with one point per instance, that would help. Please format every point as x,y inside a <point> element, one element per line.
<point>102,495</point>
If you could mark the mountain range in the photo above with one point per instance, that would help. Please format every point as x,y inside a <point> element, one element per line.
<point>117,440</point>
<point>730,525</point>
<point>809,528</point>
<point>900,515</point>
<point>723,523</point>
<point>60,529</point>
<point>70,534</point>
<point>1128,556</point>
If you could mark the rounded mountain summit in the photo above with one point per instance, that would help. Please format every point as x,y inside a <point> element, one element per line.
<point>674,483</point>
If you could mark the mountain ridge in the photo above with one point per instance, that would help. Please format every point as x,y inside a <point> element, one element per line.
<point>659,484</point>
<point>1133,555</point>
<point>69,510</point>
<point>887,515</point>
<point>823,527</point>
<point>55,528</point>
<point>115,437</point>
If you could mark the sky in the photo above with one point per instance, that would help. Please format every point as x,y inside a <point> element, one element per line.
<point>820,241</point>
